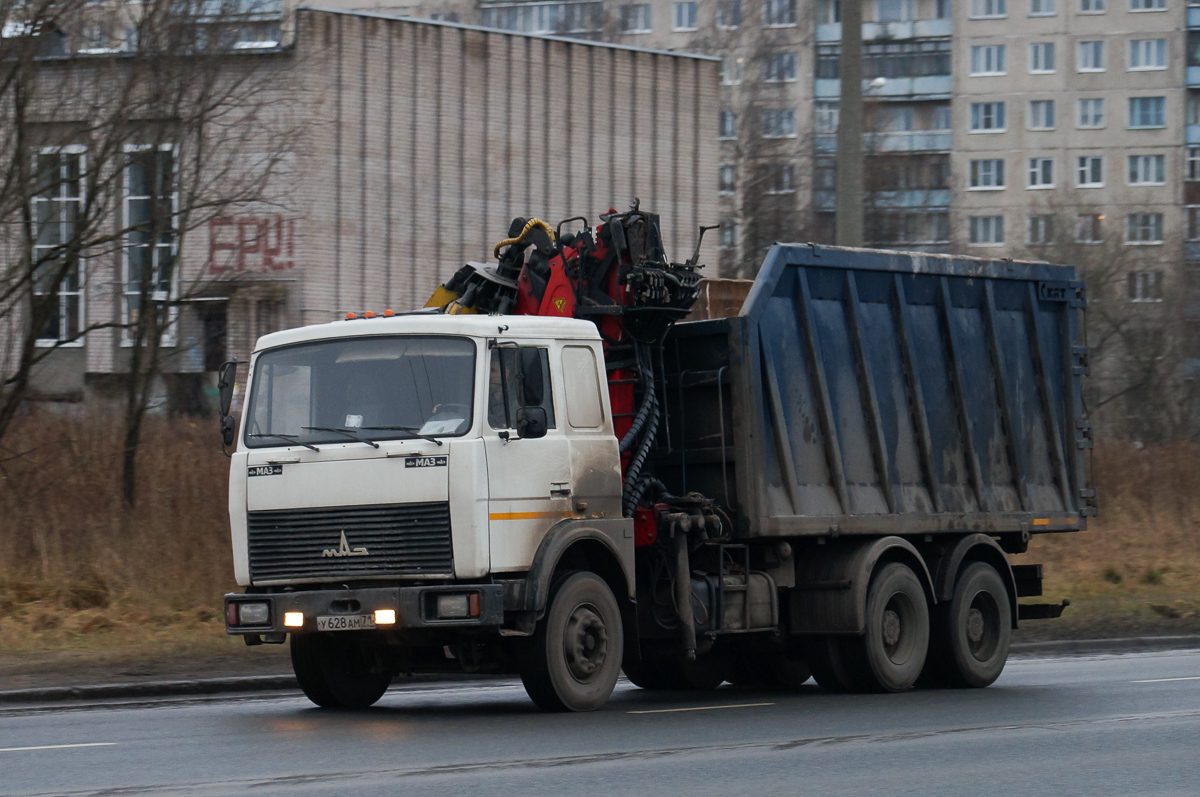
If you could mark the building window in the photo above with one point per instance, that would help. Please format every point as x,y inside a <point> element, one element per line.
<point>685,17</point>
<point>1091,56</point>
<point>1041,58</point>
<point>781,68</point>
<point>1144,228</point>
<point>1091,113</point>
<point>825,174</point>
<point>731,70</point>
<point>1147,112</point>
<point>1040,230</point>
<point>729,15</point>
<point>728,126</point>
<point>985,9</point>
<point>782,179</point>
<point>728,238</point>
<point>1041,115</point>
<point>1193,109</point>
<point>987,174</point>
<point>1193,163</point>
<point>1147,169</point>
<point>1041,172</point>
<point>779,122</point>
<point>779,13</point>
<point>987,117</point>
<point>829,12</point>
<point>1193,223</point>
<point>1091,171</point>
<point>986,230</point>
<point>988,59</point>
<point>1145,286</point>
<point>1147,5</point>
<point>149,203</point>
<point>827,117</point>
<point>1147,54</point>
<point>58,199</point>
<point>634,18</point>
<point>1091,6</point>
<point>942,9</point>
<point>941,117</point>
<point>1089,228</point>
<point>727,179</point>
<point>1043,8</point>
<point>894,10</point>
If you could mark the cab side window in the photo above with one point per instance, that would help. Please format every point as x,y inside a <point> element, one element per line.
<point>506,393</point>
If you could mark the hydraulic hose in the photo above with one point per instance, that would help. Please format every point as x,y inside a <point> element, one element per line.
<point>531,224</point>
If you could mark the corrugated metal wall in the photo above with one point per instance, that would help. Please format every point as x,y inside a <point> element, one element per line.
<point>428,138</point>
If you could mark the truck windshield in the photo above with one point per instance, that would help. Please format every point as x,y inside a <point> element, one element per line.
<point>377,388</point>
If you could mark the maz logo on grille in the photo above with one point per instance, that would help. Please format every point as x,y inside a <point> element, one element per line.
<point>343,549</point>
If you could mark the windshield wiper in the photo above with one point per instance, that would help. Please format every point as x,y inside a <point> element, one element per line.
<point>345,432</point>
<point>409,429</point>
<point>291,438</point>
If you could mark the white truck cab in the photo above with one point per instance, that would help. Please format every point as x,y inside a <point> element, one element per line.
<point>400,473</point>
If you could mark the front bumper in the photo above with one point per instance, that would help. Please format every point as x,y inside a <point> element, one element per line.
<point>415,607</point>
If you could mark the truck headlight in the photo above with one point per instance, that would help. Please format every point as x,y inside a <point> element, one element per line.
<point>254,613</point>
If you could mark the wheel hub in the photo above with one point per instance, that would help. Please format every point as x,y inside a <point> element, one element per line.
<point>975,625</point>
<point>585,643</point>
<point>891,628</point>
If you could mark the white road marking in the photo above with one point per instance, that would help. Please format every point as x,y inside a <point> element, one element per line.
<point>56,746</point>
<point>698,708</point>
<point>1167,680</point>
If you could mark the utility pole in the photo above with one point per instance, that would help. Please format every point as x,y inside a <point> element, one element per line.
<point>850,129</point>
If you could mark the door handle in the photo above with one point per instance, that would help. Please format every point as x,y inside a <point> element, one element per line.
<point>559,490</point>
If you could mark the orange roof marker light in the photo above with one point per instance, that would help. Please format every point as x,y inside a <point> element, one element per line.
<point>388,314</point>
<point>368,314</point>
<point>350,316</point>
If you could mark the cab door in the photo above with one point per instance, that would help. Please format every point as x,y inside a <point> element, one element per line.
<point>529,478</point>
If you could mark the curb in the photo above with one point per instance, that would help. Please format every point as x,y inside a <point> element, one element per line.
<point>1082,647</point>
<point>275,683</point>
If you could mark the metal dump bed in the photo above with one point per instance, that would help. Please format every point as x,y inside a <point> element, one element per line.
<point>869,392</point>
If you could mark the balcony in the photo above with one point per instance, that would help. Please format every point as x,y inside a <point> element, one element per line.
<point>1193,134</point>
<point>919,29</point>
<point>1191,250</point>
<point>927,87</point>
<point>1193,18</point>
<point>908,141</point>
<point>826,199</point>
<point>1193,77</point>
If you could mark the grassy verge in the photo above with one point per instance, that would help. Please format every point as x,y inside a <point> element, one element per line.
<point>85,579</point>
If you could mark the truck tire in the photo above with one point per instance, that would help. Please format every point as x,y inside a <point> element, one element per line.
<point>891,654</point>
<point>335,671</point>
<point>972,633</point>
<point>574,656</point>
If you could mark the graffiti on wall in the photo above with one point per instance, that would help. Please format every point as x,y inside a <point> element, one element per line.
<point>251,243</point>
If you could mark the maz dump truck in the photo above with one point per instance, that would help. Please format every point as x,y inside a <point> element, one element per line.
<point>548,472</point>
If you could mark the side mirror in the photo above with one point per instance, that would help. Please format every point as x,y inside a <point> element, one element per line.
<point>228,429</point>
<point>531,422</point>
<point>532,377</point>
<point>227,376</point>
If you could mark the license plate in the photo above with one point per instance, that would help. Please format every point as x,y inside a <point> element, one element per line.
<point>346,622</point>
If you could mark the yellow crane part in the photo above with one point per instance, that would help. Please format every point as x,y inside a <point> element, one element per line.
<point>532,224</point>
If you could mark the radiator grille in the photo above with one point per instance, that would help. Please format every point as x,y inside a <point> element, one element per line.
<point>400,539</point>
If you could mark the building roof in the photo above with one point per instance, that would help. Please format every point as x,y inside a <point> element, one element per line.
<point>478,326</point>
<point>565,39</point>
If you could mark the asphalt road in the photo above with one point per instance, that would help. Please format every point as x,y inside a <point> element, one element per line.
<point>1088,726</point>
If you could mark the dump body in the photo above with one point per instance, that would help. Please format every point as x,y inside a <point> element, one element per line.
<point>868,392</point>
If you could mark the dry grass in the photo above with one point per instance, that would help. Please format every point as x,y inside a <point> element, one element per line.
<point>78,568</point>
<point>79,571</point>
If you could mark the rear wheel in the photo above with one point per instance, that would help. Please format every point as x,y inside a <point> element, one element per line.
<point>896,641</point>
<point>338,671</point>
<point>574,657</point>
<point>973,633</point>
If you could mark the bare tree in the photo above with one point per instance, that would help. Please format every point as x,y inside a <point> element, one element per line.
<point>113,156</point>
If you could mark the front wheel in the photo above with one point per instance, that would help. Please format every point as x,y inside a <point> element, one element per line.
<point>338,671</point>
<point>574,657</point>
